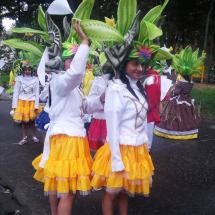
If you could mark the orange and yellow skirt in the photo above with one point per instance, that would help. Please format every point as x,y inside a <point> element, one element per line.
<point>25,111</point>
<point>68,168</point>
<point>135,179</point>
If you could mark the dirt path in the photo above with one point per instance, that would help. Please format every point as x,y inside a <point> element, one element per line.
<point>200,86</point>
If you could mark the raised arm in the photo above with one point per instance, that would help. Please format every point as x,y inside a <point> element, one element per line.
<point>74,75</point>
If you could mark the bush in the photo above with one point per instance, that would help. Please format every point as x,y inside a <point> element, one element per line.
<point>205,99</point>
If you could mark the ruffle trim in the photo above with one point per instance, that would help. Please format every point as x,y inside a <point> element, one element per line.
<point>125,176</point>
<point>63,195</point>
<point>122,190</point>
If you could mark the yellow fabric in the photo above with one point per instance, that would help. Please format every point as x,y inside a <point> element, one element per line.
<point>138,167</point>
<point>181,137</point>
<point>12,78</point>
<point>86,81</point>
<point>68,166</point>
<point>25,111</point>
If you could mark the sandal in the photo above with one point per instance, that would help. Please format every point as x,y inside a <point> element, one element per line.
<point>23,141</point>
<point>36,140</point>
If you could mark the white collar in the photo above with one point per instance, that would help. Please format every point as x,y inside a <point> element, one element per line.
<point>133,82</point>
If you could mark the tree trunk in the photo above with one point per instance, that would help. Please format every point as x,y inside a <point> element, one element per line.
<point>207,26</point>
<point>212,38</point>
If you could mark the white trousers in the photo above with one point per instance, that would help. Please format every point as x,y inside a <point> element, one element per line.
<point>150,133</point>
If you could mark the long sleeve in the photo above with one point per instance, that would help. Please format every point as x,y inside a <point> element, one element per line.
<point>113,112</point>
<point>16,94</point>
<point>75,74</point>
<point>93,105</point>
<point>37,92</point>
<point>44,94</point>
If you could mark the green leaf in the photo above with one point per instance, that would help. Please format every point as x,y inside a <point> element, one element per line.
<point>34,59</point>
<point>20,54</point>
<point>195,55</point>
<point>95,53</point>
<point>175,61</point>
<point>195,72</point>
<point>46,38</point>
<point>98,44</point>
<point>83,12</point>
<point>93,47</point>
<point>28,30</point>
<point>102,58</point>
<point>188,56</point>
<point>181,57</point>
<point>163,55</point>
<point>196,63</point>
<point>185,54</point>
<point>126,12</point>
<point>148,30</point>
<point>11,90</point>
<point>100,31</point>
<point>30,46</point>
<point>41,19</point>
<point>154,14</point>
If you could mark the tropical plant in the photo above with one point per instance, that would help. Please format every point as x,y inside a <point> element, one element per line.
<point>187,62</point>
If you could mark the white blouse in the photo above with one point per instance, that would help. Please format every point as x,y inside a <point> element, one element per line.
<point>44,96</point>
<point>68,103</point>
<point>26,88</point>
<point>126,119</point>
<point>99,86</point>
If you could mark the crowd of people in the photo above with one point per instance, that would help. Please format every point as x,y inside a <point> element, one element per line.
<point>125,117</point>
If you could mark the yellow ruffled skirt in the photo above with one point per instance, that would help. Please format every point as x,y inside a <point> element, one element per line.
<point>68,167</point>
<point>25,111</point>
<point>135,179</point>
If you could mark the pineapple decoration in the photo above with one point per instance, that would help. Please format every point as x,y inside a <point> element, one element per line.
<point>187,62</point>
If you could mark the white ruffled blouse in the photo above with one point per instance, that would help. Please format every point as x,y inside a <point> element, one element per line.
<point>126,119</point>
<point>26,88</point>
<point>68,103</point>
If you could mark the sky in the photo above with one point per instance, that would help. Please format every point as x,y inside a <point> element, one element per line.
<point>7,23</point>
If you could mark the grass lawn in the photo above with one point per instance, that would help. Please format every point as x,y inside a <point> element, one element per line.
<point>4,78</point>
<point>205,99</point>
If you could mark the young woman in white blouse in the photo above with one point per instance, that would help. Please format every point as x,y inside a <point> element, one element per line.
<point>65,165</point>
<point>123,165</point>
<point>26,101</point>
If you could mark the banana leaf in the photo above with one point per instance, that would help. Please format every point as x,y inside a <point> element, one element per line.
<point>181,57</point>
<point>102,58</point>
<point>188,56</point>
<point>98,44</point>
<point>195,55</point>
<point>175,61</point>
<point>126,12</point>
<point>30,46</point>
<point>163,55</point>
<point>196,63</point>
<point>28,30</point>
<point>100,31</point>
<point>195,72</point>
<point>83,12</point>
<point>41,19</point>
<point>95,53</point>
<point>10,90</point>
<point>148,30</point>
<point>154,14</point>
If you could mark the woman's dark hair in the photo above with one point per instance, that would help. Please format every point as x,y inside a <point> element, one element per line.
<point>125,80</point>
<point>187,78</point>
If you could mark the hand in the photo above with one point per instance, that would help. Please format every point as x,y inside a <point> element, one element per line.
<point>102,97</point>
<point>82,35</point>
